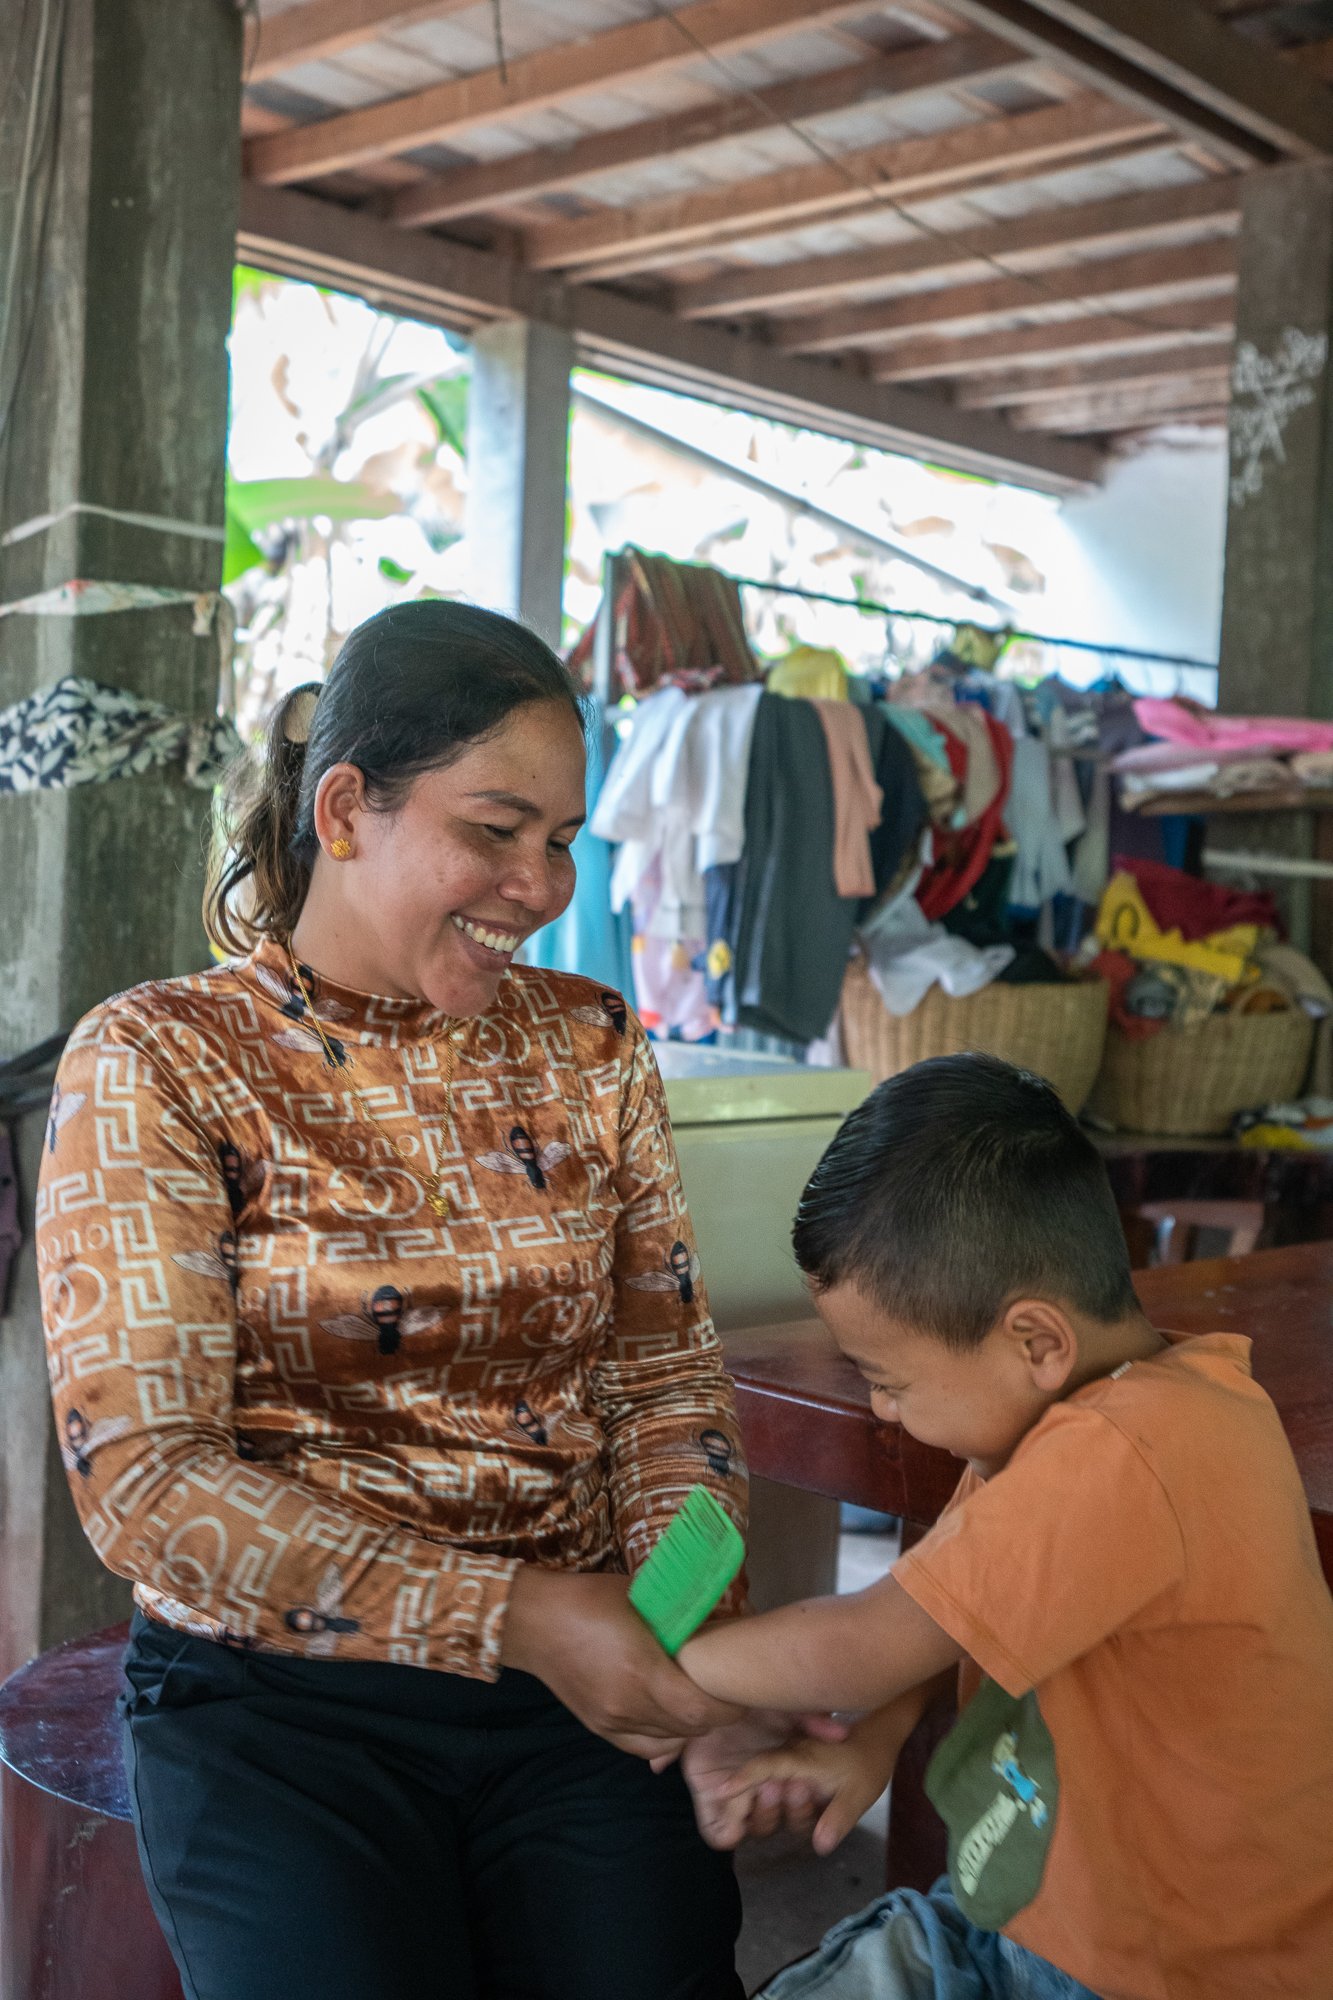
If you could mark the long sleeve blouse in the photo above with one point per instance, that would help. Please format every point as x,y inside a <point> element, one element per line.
<point>300,1411</point>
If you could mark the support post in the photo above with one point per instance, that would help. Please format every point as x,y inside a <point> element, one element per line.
<point>1277,603</point>
<point>119,187</point>
<point>1277,610</point>
<point>517,459</point>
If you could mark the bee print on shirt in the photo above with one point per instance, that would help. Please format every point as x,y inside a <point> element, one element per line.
<point>65,1104</point>
<point>384,1319</point>
<point>81,1439</point>
<point>265,1447</point>
<point>292,1001</point>
<point>223,1263</point>
<point>321,1623</point>
<point>680,1273</point>
<point>610,1008</point>
<point>719,1451</point>
<point>308,1042</point>
<point>243,1178</point>
<point>530,1423</point>
<point>523,1157</point>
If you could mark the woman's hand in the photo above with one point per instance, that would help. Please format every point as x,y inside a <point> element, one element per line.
<point>582,1638</point>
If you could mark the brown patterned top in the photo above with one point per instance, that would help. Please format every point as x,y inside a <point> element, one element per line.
<point>298,1410</point>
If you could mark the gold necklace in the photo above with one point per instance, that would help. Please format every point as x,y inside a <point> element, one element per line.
<point>436,1199</point>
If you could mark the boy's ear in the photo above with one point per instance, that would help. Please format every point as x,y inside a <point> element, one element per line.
<point>1042,1334</point>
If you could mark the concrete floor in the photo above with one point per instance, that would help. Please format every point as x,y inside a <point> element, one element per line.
<point>791,1897</point>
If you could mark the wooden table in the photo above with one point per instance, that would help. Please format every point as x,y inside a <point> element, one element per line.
<point>806,1418</point>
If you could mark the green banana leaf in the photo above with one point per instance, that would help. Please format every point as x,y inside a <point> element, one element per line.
<point>255,504</point>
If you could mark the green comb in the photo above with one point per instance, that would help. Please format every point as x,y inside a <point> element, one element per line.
<point>688,1571</point>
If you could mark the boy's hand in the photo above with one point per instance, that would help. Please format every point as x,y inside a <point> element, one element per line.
<point>845,1777</point>
<point>711,1763</point>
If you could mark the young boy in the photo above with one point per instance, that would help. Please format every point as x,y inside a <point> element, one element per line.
<point>1139,1792</point>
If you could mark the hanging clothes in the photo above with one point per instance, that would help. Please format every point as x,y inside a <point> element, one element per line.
<point>930,754</point>
<point>629,811</point>
<point>675,797</point>
<point>857,799</point>
<point>904,811</point>
<point>810,673</point>
<point>793,930</point>
<point>979,732</point>
<point>672,622</point>
<point>961,857</point>
<point>669,991</point>
<point>1041,868</point>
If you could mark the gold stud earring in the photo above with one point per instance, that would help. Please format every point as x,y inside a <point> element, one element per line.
<point>341,849</point>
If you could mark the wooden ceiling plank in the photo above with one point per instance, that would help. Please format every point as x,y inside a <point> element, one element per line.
<point>1121,371</point>
<point>446,111</point>
<point>681,265</point>
<point>901,75</point>
<point>317,29</point>
<point>1203,267</point>
<point>1126,219</point>
<point>1128,410</point>
<point>1184,47</point>
<point>903,169</point>
<point>1031,25</point>
<point>926,360</point>
<point>456,285</point>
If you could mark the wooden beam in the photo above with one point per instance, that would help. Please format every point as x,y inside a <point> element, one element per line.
<point>1129,220</point>
<point>1030,25</point>
<point>984,178</point>
<point>1117,371</point>
<point>902,75</point>
<point>1185,48</point>
<point>624,240</point>
<point>927,359</point>
<point>1199,271</point>
<point>412,272</point>
<point>606,61</point>
<point>1128,409</point>
<point>316,29</point>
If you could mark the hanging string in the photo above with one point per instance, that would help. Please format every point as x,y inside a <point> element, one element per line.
<point>873,609</point>
<point>500,61</point>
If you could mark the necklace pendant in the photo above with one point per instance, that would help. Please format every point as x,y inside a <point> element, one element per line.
<point>439,1204</point>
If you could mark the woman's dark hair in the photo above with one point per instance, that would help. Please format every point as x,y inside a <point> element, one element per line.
<point>409,691</point>
<point>956,1188</point>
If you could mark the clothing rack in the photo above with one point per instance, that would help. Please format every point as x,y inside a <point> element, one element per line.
<point>876,610</point>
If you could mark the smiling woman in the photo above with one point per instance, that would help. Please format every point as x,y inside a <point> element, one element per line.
<point>373,1404</point>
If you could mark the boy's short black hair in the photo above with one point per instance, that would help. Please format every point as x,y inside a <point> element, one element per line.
<point>957,1187</point>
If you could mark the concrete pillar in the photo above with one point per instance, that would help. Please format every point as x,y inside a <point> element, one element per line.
<point>120,196</point>
<point>517,460</point>
<point>1277,611</point>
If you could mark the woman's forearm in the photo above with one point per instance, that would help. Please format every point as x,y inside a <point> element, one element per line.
<point>861,1651</point>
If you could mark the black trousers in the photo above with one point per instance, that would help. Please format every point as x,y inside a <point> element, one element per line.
<point>327,1830</point>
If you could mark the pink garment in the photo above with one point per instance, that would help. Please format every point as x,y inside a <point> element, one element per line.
<point>1187,722</point>
<point>858,802</point>
<point>1149,759</point>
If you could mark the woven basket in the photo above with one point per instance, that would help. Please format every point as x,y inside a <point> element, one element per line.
<point>1056,1030</point>
<point>1193,1081</point>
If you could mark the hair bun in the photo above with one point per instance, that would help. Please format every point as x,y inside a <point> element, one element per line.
<point>299,718</point>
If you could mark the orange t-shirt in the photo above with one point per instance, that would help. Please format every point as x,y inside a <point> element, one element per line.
<point>1147,1801</point>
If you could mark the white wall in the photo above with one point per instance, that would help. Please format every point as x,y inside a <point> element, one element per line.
<point>1139,562</point>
